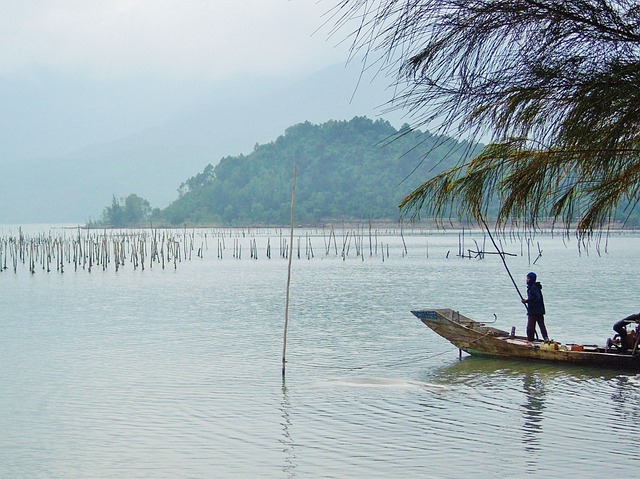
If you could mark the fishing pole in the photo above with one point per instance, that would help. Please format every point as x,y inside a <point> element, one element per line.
<point>504,262</point>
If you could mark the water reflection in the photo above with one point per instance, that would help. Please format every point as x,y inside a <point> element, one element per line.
<point>532,388</point>
<point>491,373</point>
<point>532,410</point>
<point>473,367</point>
<point>290,463</point>
<point>626,400</point>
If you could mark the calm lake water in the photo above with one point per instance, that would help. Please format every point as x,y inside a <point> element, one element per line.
<point>176,372</point>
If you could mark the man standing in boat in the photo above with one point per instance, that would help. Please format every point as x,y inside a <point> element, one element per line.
<point>535,308</point>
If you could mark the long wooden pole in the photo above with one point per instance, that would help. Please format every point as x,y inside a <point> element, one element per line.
<point>504,262</point>
<point>286,309</point>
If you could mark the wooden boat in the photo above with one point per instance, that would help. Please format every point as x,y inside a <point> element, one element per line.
<point>478,339</point>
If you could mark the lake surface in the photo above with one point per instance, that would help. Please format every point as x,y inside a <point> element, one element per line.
<point>176,372</point>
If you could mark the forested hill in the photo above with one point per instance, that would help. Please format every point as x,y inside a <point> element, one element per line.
<point>346,170</point>
<point>357,169</point>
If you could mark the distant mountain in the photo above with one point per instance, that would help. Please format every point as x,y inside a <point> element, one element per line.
<point>153,162</point>
<point>346,170</point>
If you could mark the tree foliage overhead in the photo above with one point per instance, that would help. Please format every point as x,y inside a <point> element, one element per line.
<point>554,84</point>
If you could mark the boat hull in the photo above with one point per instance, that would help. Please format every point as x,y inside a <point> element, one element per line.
<point>480,340</point>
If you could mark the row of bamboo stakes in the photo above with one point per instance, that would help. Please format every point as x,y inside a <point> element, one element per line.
<point>140,248</point>
<point>87,249</point>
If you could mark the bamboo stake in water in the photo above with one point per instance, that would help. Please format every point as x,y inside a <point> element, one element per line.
<point>286,309</point>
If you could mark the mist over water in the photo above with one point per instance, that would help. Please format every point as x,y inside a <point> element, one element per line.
<point>176,372</point>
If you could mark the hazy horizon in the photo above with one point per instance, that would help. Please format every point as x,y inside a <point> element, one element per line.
<point>81,73</point>
<point>136,96</point>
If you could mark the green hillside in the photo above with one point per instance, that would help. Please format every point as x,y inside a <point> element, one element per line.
<point>347,170</point>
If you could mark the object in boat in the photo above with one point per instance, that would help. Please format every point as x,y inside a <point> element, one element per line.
<point>478,339</point>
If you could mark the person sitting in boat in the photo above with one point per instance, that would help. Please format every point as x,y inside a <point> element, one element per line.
<point>535,308</point>
<point>620,327</point>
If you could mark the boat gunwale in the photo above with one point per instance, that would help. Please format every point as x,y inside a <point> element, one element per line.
<point>478,339</point>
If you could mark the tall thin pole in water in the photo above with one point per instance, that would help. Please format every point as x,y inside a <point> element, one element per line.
<point>286,309</point>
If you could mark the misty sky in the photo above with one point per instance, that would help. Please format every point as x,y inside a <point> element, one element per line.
<point>101,99</point>
<point>175,39</point>
<point>75,73</point>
